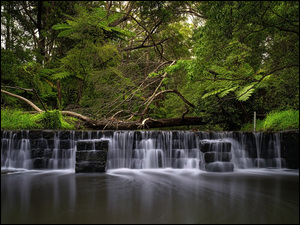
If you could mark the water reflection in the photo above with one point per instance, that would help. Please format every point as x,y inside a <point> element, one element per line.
<point>150,196</point>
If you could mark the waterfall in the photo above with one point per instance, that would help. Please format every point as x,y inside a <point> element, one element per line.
<point>145,149</point>
<point>62,159</point>
<point>15,150</point>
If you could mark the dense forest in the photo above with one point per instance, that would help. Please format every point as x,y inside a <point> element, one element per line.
<point>143,64</point>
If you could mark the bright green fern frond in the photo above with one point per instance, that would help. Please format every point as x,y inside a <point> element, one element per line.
<point>65,33</point>
<point>264,82</point>
<point>226,92</point>
<point>213,92</point>
<point>245,93</point>
<point>61,75</point>
<point>61,26</point>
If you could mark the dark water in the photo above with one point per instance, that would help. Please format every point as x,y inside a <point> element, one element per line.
<point>151,196</point>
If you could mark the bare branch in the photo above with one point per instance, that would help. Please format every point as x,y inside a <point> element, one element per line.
<point>24,99</point>
<point>165,74</point>
<point>167,91</point>
<point>114,124</point>
<point>31,90</point>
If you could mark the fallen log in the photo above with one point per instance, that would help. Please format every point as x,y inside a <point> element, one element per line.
<point>115,124</point>
<point>145,124</point>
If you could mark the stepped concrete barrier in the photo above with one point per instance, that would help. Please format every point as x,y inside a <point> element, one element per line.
<point>91,156</point>
<point>217,155</point>
<point>53,149</point>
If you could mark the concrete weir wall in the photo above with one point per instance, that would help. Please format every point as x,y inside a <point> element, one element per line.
<point>50,149</point>
<point>95,151</point>
<point>289,144</point>
<point>91,156</point>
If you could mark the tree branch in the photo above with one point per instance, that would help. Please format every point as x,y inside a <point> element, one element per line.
<point>24,99</point>
<point>145,46</point>
<point>31,90</point>
<point>116,124</point>
<point>163,92</point>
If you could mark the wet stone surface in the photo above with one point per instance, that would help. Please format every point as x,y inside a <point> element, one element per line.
<point>91,156</point>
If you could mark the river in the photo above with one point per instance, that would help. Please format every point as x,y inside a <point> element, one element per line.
<point>152,196</point>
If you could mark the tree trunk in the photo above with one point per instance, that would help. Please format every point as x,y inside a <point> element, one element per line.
<point>146,124</point>
<point>59,94</point>
<point>40,27</point>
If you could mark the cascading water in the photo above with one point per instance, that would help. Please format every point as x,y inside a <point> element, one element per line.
<point>274,158</point>
<point>259,162</point>
<point>15,150</point>
<point>144,149</point>
<point>66,158</point>
<point>158,177</point>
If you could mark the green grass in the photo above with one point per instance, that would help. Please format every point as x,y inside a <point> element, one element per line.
<point>283,120</point>
<point>276,121</point>
<point>17,119</point>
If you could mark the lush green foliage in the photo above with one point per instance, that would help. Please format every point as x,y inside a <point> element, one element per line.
<point>106,58</point>
<point>247,59</point>
<point>284,120</point>
<point>276,121</point>
<point>16,119</point>
<point>50,119</point>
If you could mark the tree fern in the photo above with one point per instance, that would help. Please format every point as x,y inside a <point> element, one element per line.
<point>245,92</point>
<point>61,26</point>
<point>226,92</point>
<point>60,75</point>
<point>214,92</point>
<point>264,82</point>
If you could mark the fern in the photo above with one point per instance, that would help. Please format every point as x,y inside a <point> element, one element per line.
<point>111,18</point>
<point>245,93</point>
<point>68,28</point>
<point>61,75</point>
<point>61,26</point>
<point>226,92</point>
<point>214,92</point>
<point>100,12</point>
<point>264,82</point>
<point>65,33</point>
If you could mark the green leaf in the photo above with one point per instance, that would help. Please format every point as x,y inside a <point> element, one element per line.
<point>80,76</point>
<point>213,92</point>
<point>100,12</point>
<point>224,93</point>
<point>61,26</point>
<point>245,93</point>
<point>65,33</point>
<point>61,75</point>
<point>152,75</point>
<point>151,106</point>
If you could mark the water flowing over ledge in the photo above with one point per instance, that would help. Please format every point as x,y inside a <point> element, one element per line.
<point>207,151</point>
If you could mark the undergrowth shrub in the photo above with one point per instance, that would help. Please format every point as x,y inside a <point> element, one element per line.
<point>14,119</point>
<point>283,120</point>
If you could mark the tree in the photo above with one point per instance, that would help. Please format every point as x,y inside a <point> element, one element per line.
<point>142,61</point>
<point>245,51</point>
<point>93,52</point>
<point>28,41</point>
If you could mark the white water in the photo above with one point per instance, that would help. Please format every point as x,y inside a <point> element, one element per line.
<point>17,154</point>
<point>147,150</point>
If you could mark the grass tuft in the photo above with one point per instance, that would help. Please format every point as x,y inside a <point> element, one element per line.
<point>12,119</point>
<point>276,121</point>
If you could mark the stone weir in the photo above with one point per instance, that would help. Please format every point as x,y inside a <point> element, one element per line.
<point>97,151</point>
<point>91,156</point>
